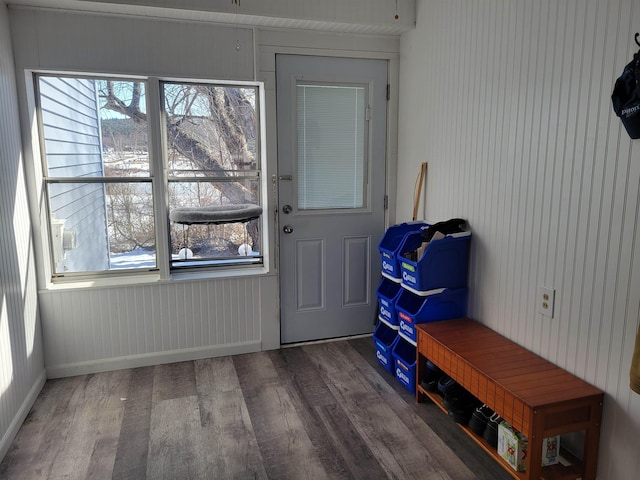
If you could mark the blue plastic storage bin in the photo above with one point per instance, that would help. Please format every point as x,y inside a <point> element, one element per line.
<point>385,338</point>
<point>404,361</point>
<point>444,263</point>
<point>413,309</point>
<point>390,245</point>
<point>388,292</point>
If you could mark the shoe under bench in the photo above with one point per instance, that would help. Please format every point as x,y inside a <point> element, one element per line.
<point>535,396</point>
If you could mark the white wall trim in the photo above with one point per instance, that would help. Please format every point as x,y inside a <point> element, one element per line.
<point>365,16</point>
<point>150,359</point>
<point>18,420</point>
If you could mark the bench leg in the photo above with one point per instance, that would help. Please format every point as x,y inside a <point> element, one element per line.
<point>591,441</point>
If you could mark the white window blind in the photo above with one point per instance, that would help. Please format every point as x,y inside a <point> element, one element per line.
<point>331,146</point>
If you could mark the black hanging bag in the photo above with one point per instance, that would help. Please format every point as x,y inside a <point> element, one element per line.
<point>626,97</point>
<point>454,225</point>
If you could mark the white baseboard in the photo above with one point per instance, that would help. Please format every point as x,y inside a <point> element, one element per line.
<point>18,420</point>
<point>148,359</point>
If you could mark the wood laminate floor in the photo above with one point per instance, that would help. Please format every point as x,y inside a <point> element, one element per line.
<point>318,411</point>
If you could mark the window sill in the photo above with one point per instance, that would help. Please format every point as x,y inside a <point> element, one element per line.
<point>219,273</point>
<point>154,277</point>
<point>103,281</point>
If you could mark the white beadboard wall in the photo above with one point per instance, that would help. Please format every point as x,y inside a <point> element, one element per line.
<point>509,102</point>
<point>22,371</point>
<point>100,329</point>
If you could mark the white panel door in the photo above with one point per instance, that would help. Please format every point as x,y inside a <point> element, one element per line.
<point>331,168</point>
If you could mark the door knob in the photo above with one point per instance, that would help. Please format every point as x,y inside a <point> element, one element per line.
<point>287,229</point>
<point>286,209</point>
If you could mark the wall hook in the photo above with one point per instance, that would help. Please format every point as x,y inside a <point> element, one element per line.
<point>636,37</point>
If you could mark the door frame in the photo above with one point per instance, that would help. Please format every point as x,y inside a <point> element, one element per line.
<point>341,293</point>
<point>326,46</point>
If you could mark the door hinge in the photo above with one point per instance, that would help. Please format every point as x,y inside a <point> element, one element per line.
<point>388,92</point>
<point>367,113</point>
<point>386,202</point>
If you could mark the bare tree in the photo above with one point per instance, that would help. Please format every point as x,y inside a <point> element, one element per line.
<point>206,125</point>
<point>129,228</point>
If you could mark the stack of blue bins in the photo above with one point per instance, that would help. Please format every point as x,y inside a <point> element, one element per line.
<point>417,290</point>
<point>386,334</point>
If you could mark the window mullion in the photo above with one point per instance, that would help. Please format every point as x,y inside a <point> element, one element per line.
<point>158,173</point>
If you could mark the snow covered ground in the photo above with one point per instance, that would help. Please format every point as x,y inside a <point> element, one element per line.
<point>137,258</point>
<point>141,258</point>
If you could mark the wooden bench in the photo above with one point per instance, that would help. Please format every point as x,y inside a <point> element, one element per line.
<point>536,397</point>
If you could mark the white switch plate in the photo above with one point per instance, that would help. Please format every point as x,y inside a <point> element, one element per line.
<point>545,301</point>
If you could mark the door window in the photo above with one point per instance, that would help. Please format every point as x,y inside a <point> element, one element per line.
<point>331,141</point>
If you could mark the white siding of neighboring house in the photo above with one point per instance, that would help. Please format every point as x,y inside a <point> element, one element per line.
<point>72,143</point>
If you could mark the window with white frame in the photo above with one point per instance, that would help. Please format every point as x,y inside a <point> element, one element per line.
<point>112,196</point>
